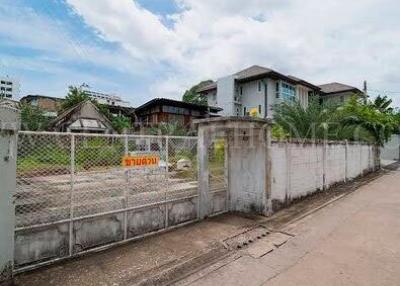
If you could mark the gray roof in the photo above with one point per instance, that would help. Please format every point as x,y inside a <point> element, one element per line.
<point>336,87</point>
<point>207,87</point>
<point>252,71</point>
<point>258,72</point>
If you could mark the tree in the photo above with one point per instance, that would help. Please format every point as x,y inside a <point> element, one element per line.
<point>382,103</point>
<point>317,122</point>
<point>121,123</point>
<point>32,118</point>
<point>379,123</point>
<point>192,96</point>
<point>75,96</point>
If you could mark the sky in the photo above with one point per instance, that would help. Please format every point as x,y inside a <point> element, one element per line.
<point>142,49</point>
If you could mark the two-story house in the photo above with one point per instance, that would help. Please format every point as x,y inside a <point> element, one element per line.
<point>337,93</point>
<point>256,88</point>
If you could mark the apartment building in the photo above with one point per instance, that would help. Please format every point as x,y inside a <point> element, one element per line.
<point>256,89</point>
<point>9,88</point>
<point>107,99</point>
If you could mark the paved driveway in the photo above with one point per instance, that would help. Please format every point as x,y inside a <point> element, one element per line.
<point>354,241</point>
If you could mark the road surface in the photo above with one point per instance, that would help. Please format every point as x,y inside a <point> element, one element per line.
<point>354,241</point>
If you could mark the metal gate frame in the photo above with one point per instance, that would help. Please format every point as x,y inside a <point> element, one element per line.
<point>167,141</point>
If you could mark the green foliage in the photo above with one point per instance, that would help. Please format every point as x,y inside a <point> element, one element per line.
<point>172,129</point>
<point>75,96</point>
<point>192,96</point>
<point>121,123</point>
<point>279,133</point>
<point>98,153</point>
<point>353,121</point>
<point>33,118</point>
<point>382,103</point>
<point>50,158</point>
<point>380,123</point>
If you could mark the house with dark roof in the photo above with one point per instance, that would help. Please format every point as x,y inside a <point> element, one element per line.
<point>338,92</point>
<point>256,90</point>
<point>49,105</point>
<point>163,110</point>
<point>84,117</point>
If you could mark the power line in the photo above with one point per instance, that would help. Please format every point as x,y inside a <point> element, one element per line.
<point>383,91</point>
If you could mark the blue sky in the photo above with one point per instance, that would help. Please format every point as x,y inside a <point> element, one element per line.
<point>157,48</point>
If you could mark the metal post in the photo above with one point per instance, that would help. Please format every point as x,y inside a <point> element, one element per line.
<point>71,202</point>
<point>125,205</point>
<point>167,177</point>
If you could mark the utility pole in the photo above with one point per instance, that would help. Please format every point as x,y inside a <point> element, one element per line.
<point>365,91</point>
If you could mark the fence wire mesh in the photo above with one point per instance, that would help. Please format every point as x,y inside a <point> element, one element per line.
<point>216,162</point>
<point>65,177</point>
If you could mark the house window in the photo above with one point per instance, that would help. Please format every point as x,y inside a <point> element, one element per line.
<point>241,90</point>
<point>259,86</point>
<point>245,111</point>
<point>277,89</point>
<point>259,109</point>
<point>288,92</point>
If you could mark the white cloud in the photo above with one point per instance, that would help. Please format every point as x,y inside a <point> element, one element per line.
<point>337,40</point>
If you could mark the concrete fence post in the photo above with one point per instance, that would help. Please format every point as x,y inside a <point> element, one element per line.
<point>268,169</point>
<point>288,171</point>
<point>9,125</point>
<point>324,165</point>
<point>202,153</point>
<point>346,160</point>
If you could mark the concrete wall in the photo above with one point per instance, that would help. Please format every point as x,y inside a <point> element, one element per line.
<point>391,150</point>
<point>9,123</point>
<point>51,242</point>
<point>247,180</point>
<point>301,169</point>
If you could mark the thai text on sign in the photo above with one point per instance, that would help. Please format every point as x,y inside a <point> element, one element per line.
<point>140,160</point>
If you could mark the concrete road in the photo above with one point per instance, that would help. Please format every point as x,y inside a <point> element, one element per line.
<point>354,241</point>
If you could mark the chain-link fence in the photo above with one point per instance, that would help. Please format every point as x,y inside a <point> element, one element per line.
<point>63,178</point>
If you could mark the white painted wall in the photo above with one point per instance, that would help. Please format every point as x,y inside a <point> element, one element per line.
<point>252,96</point>
<point>391,150</point>
<point>301,169</point>
<point>225,94</point>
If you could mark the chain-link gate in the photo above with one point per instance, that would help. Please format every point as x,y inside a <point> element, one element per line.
<point>84,191</point>
<point>218,173</point>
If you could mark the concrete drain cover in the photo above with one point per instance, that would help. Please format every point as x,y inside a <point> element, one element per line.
<point>257,242</point>
<point>245,239</point>
<point>267,244</point>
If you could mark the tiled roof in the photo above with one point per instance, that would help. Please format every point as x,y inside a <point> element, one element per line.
<point>336,87</point>
<point>252,72</point>
<point>207,87</point>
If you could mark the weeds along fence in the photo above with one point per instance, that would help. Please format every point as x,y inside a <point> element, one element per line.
<point>76,192</point>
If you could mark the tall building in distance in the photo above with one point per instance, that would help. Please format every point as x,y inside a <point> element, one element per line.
<point>104,98</point>
<point>9,87</point>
